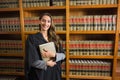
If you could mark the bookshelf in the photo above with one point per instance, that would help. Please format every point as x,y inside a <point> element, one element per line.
<point>11,51</point>
<point>83,31</point>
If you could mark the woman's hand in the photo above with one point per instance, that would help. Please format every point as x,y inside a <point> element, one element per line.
<point>51,63</point>
<point>47,54</point>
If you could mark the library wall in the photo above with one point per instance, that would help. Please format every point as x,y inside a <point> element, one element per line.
<point>89,32</point>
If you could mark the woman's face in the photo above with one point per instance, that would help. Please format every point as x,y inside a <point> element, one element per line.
<point>45,23</point>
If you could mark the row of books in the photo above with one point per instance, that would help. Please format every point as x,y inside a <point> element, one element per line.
<point>31,20</point>
<point>10,28</point>
<point>9,3</point>
<point>11,46</point>
<point>60,23</point>
<point>91,47</point>
<point>11,65</point>
<point>31,3</point>
<point>10,24</point>
<point>38,3</point>
<point>93,23</point>
<point>9,20</point>
<point>63,43</point>
<point>63,68</point>
<point>81,23</point>
<point>91,52</point>
<point>35,3</point>
<point>32,23</point>
<point>58,2</point>
<point>92,2</point>
<point>8,78</point>
<point>90,44</point>
<point>32,27</point>
<point>90,67</point>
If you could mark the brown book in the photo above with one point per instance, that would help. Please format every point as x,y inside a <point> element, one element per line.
<point>50,46</point>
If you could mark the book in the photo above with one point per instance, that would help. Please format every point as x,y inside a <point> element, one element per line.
<point>50,46</point>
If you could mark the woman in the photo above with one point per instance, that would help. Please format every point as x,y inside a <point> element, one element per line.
<point>35,67</point>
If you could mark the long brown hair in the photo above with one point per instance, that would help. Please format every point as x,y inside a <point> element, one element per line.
<point>52,36</point>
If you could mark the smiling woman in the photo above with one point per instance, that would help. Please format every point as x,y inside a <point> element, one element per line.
<point>35,67</point>
<point>45,23</point>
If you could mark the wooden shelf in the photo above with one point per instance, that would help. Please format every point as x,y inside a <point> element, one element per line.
<point>93,6</point>
<point>118,74</point>
<point>10,32</point>
<point>63,76</point>
<point>9,9</point>
<point>45,8</point>
<point>119,31</point>
<point>92,32</point>
<point>67,11</point>
<point>92,57</point>
<point>118,57</point>
<point>30,32</point>
<point>91,77</point>
<point>61,32</point>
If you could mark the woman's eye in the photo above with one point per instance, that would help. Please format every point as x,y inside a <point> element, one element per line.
<point>49,21</point>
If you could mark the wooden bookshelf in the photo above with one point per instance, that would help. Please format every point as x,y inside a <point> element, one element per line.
<point>92,32</point>
<point>9,9</point>
<point>91,57</point>
<point>12,54</point>
<point>70,10</point>
<point>91,77</point>
<point>45,8</point>
<point>93,6</point>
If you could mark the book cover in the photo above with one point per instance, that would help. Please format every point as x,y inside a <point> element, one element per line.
<point>49,47</point>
